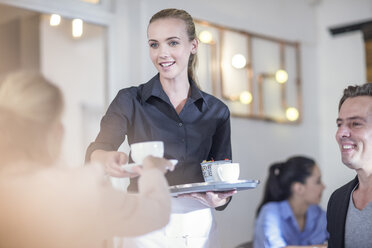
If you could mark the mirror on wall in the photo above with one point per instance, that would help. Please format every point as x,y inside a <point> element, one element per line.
<point>256,76</point>
<point>73,57</point>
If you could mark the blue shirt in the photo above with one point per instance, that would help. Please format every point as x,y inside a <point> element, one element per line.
<point>276,226</point>
<point>201,131</point>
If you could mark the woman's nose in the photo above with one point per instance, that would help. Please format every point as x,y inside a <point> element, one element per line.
<point>163,51</point>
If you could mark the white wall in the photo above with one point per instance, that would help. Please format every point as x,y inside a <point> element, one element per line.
<point>77,66</point>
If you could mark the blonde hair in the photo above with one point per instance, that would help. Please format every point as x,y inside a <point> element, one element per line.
<point>29,106</point>
<point>190,30</point>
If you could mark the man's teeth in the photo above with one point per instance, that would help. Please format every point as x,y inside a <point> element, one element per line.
<point>347,146</point>
<point>167,64</point>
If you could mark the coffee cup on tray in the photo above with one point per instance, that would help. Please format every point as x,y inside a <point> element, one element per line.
<point>220,171</point>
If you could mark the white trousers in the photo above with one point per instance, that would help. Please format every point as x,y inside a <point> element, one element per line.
<point>191,225</point>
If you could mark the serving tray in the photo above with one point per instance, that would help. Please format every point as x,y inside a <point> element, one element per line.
<point>213,186</point>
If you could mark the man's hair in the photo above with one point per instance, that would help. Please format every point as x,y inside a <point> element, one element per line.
<point>354,91</point>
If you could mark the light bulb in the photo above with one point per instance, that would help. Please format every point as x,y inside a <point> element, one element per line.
<point>238,61</point>
<point>55,20</point>
<point>281,76</point>
<point>77,28</point>
<point>292,114</point>
<point>206,37</point>
<point>245,97</point>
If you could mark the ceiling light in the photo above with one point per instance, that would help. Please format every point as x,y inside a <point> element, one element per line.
<point>77,28</point>
<point>55,20</point>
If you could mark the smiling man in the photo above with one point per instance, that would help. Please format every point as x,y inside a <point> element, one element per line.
<point>349,212</point>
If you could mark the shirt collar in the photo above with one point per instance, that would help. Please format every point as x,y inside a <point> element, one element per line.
<point>154,88</point>
<point>286,210</point>
<point>288,213</point>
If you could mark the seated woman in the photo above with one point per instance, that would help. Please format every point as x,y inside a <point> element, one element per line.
<point>48,205</point>
<point>289,214</point>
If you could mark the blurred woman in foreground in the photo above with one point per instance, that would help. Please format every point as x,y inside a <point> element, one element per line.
<point>289,214</point>
<point>44,204</point>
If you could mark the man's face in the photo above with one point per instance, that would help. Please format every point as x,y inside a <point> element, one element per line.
<point>354,133</point>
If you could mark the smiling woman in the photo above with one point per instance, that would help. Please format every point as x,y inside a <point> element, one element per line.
<point>193,125</point>
<point>289,214</point>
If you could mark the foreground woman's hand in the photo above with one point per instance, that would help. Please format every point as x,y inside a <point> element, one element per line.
<point>112,162</point>
<point>151,162</point>
<point>211,199</point>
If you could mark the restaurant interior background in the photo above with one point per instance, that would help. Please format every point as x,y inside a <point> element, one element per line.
<point>112,53</point>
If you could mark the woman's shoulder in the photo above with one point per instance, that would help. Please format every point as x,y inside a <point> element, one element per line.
<point>317,209</point>
<point>126,98</point>
<point>131,92</point>
<point>135,89</point>
<point>135,92</point>
<point>211,99</point>
<point>271,207</point>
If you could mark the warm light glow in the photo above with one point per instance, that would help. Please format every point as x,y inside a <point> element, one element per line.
<point>292,114</point>
<point>55,20</point>
<point>238,61</point>
<point>245,97</point>
<point>205,37</point>
<point>77,28</point>
<point>281,76</point>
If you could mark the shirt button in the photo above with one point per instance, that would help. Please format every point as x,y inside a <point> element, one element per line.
<point>183,140</point>
<point>180,124</point>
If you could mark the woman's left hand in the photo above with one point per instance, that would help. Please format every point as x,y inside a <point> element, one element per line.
<point>211,199</point>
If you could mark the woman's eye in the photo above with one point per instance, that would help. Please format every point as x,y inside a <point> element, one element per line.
<point>154,45</point>
<point>173,43</point>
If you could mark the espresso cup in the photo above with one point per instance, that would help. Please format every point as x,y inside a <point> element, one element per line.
<point>206,168</point>
<point>225,172</point>
<point>139,151</point>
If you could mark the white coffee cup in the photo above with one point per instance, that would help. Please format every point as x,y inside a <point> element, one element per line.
<point>225,172</point>
<point>139,151</point>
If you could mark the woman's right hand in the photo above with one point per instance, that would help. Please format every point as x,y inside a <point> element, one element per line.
<point>112,162</point>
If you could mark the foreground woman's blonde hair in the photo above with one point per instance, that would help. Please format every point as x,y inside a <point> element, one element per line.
<point>29,107</point>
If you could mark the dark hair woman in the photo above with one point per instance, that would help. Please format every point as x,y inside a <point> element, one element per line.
<point>289,213</point>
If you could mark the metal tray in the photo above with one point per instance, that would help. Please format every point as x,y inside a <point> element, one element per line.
<point>213,186</point>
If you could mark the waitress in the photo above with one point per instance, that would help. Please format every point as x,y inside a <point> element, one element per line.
<point>193,125</point>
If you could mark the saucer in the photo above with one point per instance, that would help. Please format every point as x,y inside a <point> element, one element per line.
<point>128,167</point>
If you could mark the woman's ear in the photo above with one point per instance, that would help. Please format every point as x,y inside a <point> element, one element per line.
<point>194,44</point>
<point>298,188</point>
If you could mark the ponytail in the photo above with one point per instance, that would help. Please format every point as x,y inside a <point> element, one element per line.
<point>282,176</point>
